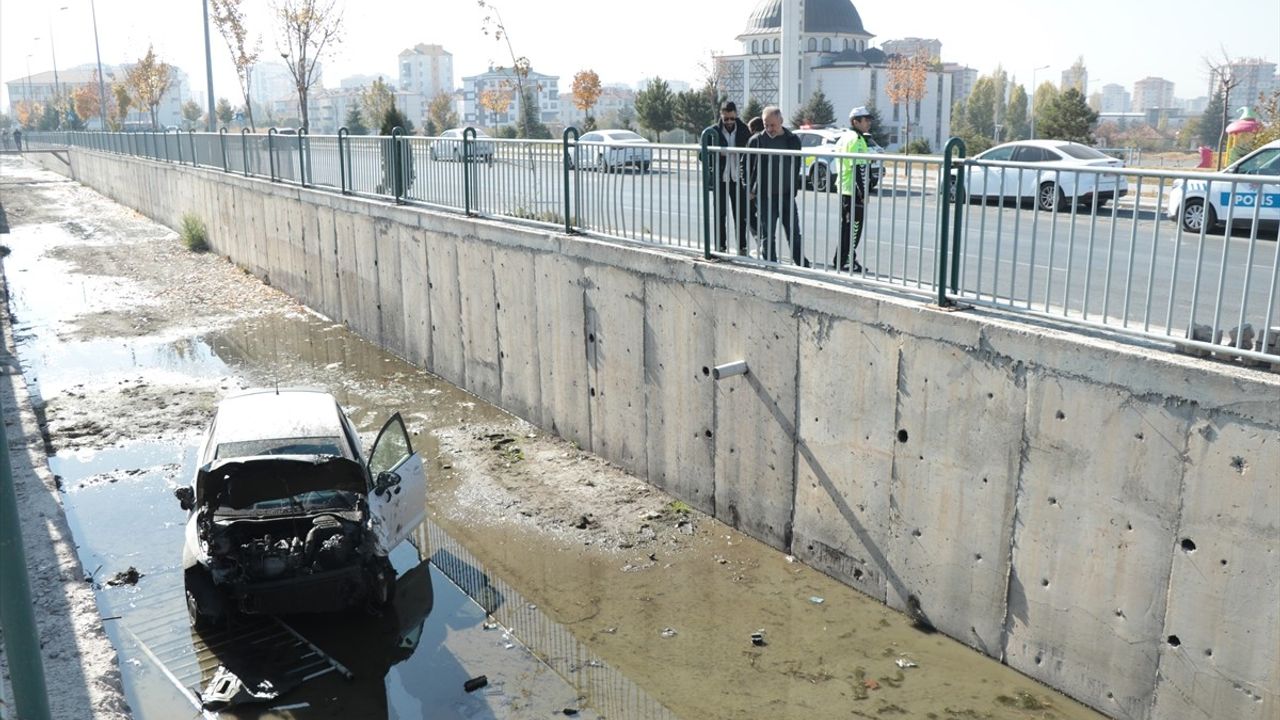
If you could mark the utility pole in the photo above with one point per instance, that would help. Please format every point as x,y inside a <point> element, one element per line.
<point>102,86</point>
<point>208,67</point>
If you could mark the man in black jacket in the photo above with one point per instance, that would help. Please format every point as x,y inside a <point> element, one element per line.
<point>775,179</point>
<point>728,178</point>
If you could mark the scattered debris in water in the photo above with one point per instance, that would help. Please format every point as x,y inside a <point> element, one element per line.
<point>126,577</point>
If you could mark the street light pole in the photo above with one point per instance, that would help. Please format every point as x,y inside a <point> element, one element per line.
<point>1033,98</point>
<point>102,87</point>
<point>208,66</point>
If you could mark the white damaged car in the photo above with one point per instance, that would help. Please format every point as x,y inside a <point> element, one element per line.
<point>1197,203</point>
<point>286,516</point>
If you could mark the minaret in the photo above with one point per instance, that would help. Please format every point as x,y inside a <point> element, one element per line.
<point>792,56</point>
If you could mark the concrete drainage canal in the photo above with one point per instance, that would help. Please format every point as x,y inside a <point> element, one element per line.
<point>544,583</point>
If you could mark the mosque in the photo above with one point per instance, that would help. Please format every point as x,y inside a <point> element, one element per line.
<point>792,48</point>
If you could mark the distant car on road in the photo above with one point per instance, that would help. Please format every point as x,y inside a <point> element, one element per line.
<point>1242,201</point>
<point>610,150</point>
<point>450,146</point>
<point>1057,182</point>
<point>286,516</point>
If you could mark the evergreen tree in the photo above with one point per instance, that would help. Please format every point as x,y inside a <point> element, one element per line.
<point>1040,102</point>
<point>753,109</point>
<point>696,109</point>
<point>1068,117</point>
<point>879,133</point>
<point>355,119</point>
<point>393,118</point>
<point>980,112</point>
<point>655,107</point>
<point>1211,121</point>
<point>223,111</point>
<point>817,112</point>
<point>1017,121</point>
<point>531,125</point>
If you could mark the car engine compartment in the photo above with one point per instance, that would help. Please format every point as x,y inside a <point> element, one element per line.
<point>256,550</point>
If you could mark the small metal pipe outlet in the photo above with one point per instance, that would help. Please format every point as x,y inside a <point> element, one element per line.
<point>738,367</point>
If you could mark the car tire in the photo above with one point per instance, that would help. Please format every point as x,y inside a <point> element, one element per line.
<point>820,178</point>
<point>207,606</point>
<point>1196,215</point>
<point>1050,198</point>
<point>644,166</point>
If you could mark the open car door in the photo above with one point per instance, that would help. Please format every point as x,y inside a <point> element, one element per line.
<point>398,495</point>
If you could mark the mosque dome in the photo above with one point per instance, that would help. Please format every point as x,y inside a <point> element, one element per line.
<point>820,16</point>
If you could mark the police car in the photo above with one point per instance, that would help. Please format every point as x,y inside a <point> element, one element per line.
<point>1197,203</point>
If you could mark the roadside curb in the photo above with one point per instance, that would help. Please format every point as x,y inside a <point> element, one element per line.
<point>82,673</point>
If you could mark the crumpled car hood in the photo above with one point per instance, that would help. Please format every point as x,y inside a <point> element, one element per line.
<point>238,483</point>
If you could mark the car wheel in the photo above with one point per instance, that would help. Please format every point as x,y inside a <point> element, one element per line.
<point>1195,215</point>
<point>820,178</point>
<point>1050,198</point>
<point>644,166</point>
<point>207,607</point>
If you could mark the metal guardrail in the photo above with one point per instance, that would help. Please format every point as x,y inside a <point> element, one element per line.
<point>1116,264</point>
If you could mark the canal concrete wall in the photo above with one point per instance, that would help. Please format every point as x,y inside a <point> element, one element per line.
<point>1101,517</point>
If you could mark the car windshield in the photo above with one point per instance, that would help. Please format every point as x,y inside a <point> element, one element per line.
<point>622,135</point>
<point>1081,152</point>
<point>280,446</point>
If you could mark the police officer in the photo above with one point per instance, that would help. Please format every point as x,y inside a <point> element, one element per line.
<point>854,185</point>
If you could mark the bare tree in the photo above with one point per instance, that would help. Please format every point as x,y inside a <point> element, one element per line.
<point>229,17</point>
<point>149,79</point>
<point>520,65</point>
<point>309,29</point>
<point>1223,75</point>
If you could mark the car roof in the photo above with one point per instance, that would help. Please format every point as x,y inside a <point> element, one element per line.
<point>268,414</point>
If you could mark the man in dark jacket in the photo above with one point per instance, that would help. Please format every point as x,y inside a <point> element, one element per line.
<point>728,181</point>
<point>774,179</point>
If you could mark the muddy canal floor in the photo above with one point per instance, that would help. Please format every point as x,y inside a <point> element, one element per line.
<point>585,589</point>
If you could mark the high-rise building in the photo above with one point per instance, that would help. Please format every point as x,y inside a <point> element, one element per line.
<point>1114,99</point>
<point>1254,78</point>
<point>270,81</point>
<point>492,97</point>
<point>909,47</point>
<point>1076,76</point>
<point>1152,93</point>
<point>426,70</point>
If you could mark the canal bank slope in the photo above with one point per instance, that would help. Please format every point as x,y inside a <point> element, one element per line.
<point>1100,517</point>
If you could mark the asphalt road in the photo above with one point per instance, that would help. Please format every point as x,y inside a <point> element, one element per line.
<point>1123,265</point>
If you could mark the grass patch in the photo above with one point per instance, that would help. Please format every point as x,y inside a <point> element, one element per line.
<point>1023,700</point>
<point>193,234</point>
<point>679,507</point>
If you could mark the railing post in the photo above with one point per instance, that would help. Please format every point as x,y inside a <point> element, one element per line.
<point>952,192</point>
<point>302,158</point>
<point>21,640</point>
<point>468,137</point>
<point>164,141</point>
<point>177,142</point>
<point>705,160</point>
<point>568,217</point>
<point>244,149</point>
<point>222,145</point>
<point>271,152</point>
<point>344,147</point>
<point>191,142</point>
<point>397,178</point>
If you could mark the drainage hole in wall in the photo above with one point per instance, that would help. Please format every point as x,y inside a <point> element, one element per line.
<point>1111,696</point>
<point>857,574</point>
<point>915,533</point>
<point>1208,652</point>
<point>984,481</point>
<point>592,392</point>
<point>1053,501</point>
<point>1174,641</point>
<point>708,433</point>
<point>1188,545</point>
<point>1044,582</point>
<point>902,436</point>
<point>1120,613</point>
<point>706,370</point>
<point>1060,415</point>
<point>978,557</point>
<point>1140,436</point>
<point>991,396</point>
<point>1039,660</point>
<point>591,337</point>
<point>1223,561</point>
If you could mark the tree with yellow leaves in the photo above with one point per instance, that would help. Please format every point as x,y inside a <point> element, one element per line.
<point>148,80</point>
<point>907,76</point>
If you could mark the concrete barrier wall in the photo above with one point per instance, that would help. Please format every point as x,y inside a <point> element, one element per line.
<point>1103,518</point>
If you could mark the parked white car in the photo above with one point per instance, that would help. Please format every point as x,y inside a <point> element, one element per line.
<point>1241,200</point>
<point>822,169</point>
<point>286,516</point>
<point>610,150</point>
<point>1058,180</point>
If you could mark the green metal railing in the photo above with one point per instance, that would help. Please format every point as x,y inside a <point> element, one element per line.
<point>21,641</point>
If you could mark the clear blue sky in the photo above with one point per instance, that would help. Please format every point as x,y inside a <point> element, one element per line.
<point>1121,40</point>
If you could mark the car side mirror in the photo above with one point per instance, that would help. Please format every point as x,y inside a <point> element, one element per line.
<point>186,497</point>
<point>385,481</point>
